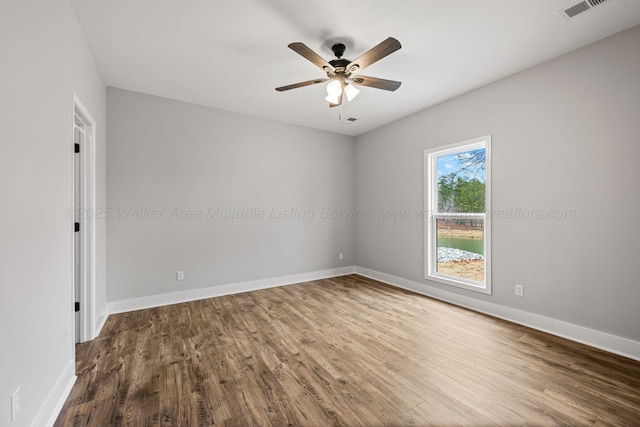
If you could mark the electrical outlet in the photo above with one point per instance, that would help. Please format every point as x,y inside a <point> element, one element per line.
<point>341,256</point>
<point>15,404</point>
<point>520,290</point>
<point>180,275</point>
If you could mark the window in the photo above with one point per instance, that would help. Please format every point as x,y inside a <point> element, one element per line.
<point>458,236</point>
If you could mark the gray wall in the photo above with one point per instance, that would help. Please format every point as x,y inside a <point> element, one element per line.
<point>178,160</point>
<point>566,136</point>
<point>43,59</point>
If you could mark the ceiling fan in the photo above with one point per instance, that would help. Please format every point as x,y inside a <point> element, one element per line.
<point>342,72</point>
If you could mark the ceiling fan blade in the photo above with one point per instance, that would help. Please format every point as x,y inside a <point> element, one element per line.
<point>301,84</point>
<point>376,82</point>
<point>316,59</point>
<point>375,54</point>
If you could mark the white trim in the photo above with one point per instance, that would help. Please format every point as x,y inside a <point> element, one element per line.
<point>216,291</point>
<point>49,411</point>
<point>461,215</point>
<point>88,236</point>
<point>101,320</point>
<point>591,337</point>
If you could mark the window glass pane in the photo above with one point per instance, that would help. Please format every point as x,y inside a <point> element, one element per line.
<point>460,245</point>
<point>461,181</point>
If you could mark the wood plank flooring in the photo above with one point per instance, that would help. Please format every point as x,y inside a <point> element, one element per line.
<point>347,351</point>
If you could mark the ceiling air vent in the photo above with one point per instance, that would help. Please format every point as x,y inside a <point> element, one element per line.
<point>580,8</point>
<point>347,121</point>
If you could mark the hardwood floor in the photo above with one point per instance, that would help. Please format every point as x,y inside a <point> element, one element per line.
<point>347,351</point>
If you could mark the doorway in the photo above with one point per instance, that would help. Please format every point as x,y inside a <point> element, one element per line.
<point>84,215</point>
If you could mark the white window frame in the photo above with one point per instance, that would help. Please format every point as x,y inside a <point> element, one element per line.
<point>431,207</point>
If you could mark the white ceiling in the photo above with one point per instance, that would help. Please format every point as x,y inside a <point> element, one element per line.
<point>232,54</point>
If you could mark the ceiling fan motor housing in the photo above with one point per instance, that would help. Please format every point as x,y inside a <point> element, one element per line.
<point>340,64</point>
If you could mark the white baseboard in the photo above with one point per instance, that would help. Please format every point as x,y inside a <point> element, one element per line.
<point>604,341</point>
<point>49,412</point>
<point>100,321</point>
<point>216,291</point>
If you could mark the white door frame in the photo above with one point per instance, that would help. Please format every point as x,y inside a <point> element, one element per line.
<point>87,214</point>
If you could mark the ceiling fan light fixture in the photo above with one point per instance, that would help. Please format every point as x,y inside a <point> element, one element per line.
<point>334,88</point>
<point>351,91</point>
<point>333,98</point>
